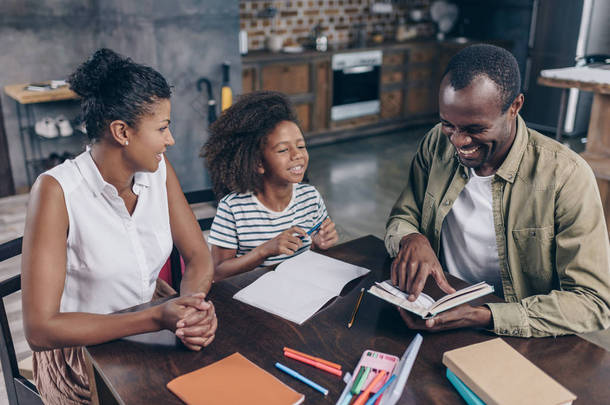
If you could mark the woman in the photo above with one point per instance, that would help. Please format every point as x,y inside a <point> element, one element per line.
<point>100,227</point>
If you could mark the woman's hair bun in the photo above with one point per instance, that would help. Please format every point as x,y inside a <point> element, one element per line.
<point>92,76</point>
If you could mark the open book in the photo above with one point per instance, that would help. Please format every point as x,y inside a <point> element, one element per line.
<point>300,285</point>
<point>424,305</point>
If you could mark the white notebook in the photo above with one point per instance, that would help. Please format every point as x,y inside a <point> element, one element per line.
<point>300,286</point>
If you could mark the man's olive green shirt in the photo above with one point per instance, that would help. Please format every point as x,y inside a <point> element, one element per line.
<point>550,230</point>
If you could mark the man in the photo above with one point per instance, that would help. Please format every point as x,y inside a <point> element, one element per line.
<point>496,201</point>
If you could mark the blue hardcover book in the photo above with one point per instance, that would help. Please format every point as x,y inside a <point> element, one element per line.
<point>469,396</point>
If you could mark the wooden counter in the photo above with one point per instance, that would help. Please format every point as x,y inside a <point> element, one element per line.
<point>19,93</point>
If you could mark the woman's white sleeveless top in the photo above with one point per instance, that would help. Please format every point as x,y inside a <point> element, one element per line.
<point>113,258</point>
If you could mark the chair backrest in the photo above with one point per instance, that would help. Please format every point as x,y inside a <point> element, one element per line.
<point>18,388</point>
<point>192,197</point>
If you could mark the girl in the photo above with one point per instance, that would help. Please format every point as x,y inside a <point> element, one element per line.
<point>100,227</point>
<point>257,158</point>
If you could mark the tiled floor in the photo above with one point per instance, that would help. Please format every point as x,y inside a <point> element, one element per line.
<point>359,180</point>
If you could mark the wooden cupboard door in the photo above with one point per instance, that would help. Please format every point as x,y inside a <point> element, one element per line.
<point>248,76</point>
<point>322,96</point>
<point>421,101</point>
<point>392,58</point>
<point>390,77</point>
<point>423,54</point>
<point>421,73</point>
<point>288,79</point>
<point>391,104</point>
<point>304,114</point>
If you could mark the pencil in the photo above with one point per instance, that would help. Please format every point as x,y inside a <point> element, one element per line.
<point>299,377</point>
<point>374,398</point>
<point>351,321</point>
<point>310,357</point>
<point>312,230</point>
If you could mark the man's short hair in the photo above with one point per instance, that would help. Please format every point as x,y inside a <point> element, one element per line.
<point>496,63</point>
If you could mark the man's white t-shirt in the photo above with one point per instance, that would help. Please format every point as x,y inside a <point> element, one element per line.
<point>468,237</point>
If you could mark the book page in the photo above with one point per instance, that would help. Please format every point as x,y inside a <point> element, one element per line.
<point>461,296</point>
<point>420,306</point>
<point>300,286</point>
<point>323,271</point>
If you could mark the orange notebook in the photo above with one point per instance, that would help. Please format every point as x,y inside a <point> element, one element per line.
<point>233,380</point>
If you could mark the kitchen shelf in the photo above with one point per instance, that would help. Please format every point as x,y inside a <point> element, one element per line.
<point>34,146</point>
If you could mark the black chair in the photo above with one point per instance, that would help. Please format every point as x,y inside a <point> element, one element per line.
<point>192,197</point>
<point>18,388</point>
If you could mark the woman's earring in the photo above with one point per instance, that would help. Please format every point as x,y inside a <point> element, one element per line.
<point>126,143</point>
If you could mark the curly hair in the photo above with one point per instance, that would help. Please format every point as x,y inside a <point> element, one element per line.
<point>234,150</point>
<point>115,88</point>
<point>496,63</point>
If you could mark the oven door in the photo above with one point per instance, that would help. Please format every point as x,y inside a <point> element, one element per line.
<point>355,91</point>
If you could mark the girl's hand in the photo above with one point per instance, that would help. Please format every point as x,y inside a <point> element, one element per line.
<point>198,328</point>
<point>174,310</point>
<point>326,236</point>
<point>286,243</point>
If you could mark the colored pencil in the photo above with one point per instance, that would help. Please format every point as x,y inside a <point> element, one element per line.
<point>312,230</point>
<point>362,381</point>
<point>351,321</point>
<point>357,380</point>
<point>301,378</point>
<point>365,394</point>
<point>314,363</point>
<point>374,398</point>
<point>314,358</point>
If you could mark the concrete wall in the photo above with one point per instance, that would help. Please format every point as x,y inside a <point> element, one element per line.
<point>183,40</point>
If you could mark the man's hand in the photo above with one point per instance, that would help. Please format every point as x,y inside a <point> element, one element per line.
<point>461,316</point>
<point>326,236</point>
<point>414,263</point>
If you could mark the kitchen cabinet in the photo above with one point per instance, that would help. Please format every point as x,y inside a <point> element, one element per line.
<point>408,90</point>
<point>392,84</point>
<point>391,104</point>
<point>294,77</point>
<point>287,78</point>
<point>409,85</point>
<point>422,85</point>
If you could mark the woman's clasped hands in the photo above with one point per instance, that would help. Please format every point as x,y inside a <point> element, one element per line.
<point>191,318</point>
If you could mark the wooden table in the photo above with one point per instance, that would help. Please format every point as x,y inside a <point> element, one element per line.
<point>135,370</point>
<point>597,151</point>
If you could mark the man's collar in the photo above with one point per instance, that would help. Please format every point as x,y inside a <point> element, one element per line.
<point>508,168</point>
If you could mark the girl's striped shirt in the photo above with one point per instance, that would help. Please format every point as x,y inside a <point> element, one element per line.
<point>242,222</point>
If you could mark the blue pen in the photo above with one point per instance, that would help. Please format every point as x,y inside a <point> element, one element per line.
<point>374,398</point>
<point>312,230</point>
<point>298,376</point>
